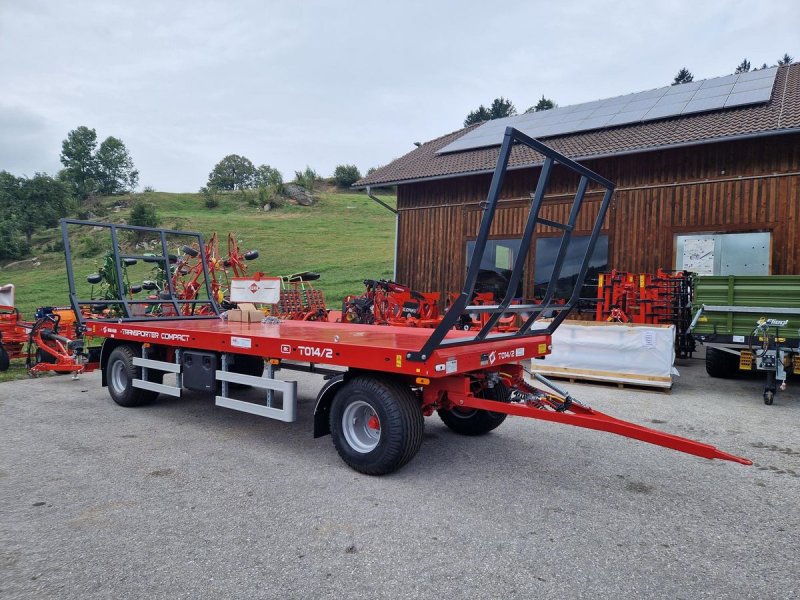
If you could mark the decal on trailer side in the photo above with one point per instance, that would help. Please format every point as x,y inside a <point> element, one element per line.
<point>314,352</point>
<point>241,342</point>
<point>154,335</point>
<point>180,337</point>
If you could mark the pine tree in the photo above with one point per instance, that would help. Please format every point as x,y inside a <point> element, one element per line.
<point>683,76</point>
<point>743,67</point>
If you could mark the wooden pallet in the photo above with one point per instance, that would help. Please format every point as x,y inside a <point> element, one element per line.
<point>622,380</point>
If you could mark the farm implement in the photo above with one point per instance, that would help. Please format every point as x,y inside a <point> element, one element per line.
<point>381,381</point>
<point>390,303</point>
<point>750,324</point>
<point>43,343</point>
<point>663,298</point>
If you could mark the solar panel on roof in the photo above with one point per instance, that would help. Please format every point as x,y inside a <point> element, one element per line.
<point>670,101</point>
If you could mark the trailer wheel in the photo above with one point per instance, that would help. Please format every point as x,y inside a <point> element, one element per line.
<point>5,361</point>
<point>721,364</point>
<point>376,425</point>
<point>120,373</point>
<point>474,421</point>
<point>769,397</point>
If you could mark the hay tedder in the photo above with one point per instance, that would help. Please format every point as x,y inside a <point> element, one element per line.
<point>381,381</point>
<point>50,343</point>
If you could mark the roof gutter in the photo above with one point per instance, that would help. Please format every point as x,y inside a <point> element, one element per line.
<point>746,136</point>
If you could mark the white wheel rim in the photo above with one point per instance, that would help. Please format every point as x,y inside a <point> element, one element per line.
<point>361,427</point>
<point>119,376</point>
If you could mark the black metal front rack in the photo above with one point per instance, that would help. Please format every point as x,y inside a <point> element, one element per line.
<point>122,303</point>
<point>461,305</point>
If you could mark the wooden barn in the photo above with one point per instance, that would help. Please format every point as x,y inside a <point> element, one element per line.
<point>709,183</point>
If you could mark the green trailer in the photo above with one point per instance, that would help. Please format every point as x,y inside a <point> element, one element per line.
<point>749,323</point>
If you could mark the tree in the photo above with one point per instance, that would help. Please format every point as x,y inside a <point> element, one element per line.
<point>543,104</point>
<point>346,175</point>
<point>30,204</point>
<point>233,172</point>
<point>268,177</point>
<point>785,60</point>
<point>683,76</point>
<point>12,244</point>
<point>502,107</point>
<point>478,115</point>
<point>115,170</point>
<point>80,163</point>
<point>743,67</point>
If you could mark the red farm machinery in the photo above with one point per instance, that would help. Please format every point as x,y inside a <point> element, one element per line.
<point>663,298</point>
<point>380,381</point>
<point>50,343</point>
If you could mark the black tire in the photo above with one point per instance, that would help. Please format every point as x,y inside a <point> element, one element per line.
<point>722,364</point>
<point>5,361</point>
<point>399,419</point>
<point>769,397</point>
<point>474,421</point>
<point>120,373</point>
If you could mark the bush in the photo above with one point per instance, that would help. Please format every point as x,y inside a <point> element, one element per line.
<point>149,189</point>
<point>346,175</point>
<point>90,246</point>
<point>209,197</point>
<point>56,246</point>
<point>271,195</point>
<point>307,179</point>
<point>12,242</point>
<point>144,214</point>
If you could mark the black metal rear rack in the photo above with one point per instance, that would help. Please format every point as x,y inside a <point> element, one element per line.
<point>461,305</point>
<point>123,303</point>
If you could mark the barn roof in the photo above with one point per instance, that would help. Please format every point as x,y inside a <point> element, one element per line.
<point>781,114</point>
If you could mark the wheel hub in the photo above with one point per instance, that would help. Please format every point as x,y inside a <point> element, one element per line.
<point>361,427</point>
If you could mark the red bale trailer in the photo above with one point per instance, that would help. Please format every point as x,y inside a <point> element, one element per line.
<point>380,382</point>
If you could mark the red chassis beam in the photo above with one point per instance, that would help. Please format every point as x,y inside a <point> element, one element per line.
<point>384,349</point>
<point>456,392</point>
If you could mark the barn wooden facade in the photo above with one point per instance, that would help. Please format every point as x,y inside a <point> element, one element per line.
<point>747,180</point>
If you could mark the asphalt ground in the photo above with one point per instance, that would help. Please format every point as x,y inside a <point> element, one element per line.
<point>181,499</point>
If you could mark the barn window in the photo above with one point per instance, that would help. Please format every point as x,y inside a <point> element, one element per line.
<point>723,253</point>
<point>546,252</point>
<point>496,265</point>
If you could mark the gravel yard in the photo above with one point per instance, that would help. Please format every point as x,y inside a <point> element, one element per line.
<point>184,499</point>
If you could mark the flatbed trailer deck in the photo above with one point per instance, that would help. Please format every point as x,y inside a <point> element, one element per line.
<point>364,347</point>
<point>381,380</point>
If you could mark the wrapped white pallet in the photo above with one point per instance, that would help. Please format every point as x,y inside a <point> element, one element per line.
<point>617,352</point>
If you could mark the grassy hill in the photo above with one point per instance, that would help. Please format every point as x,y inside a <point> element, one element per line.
<point>345,236</point>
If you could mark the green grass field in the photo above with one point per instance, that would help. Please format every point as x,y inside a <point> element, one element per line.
<point>346,237</point>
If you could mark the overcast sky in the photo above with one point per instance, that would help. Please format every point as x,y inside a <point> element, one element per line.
<point>292,84</point>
